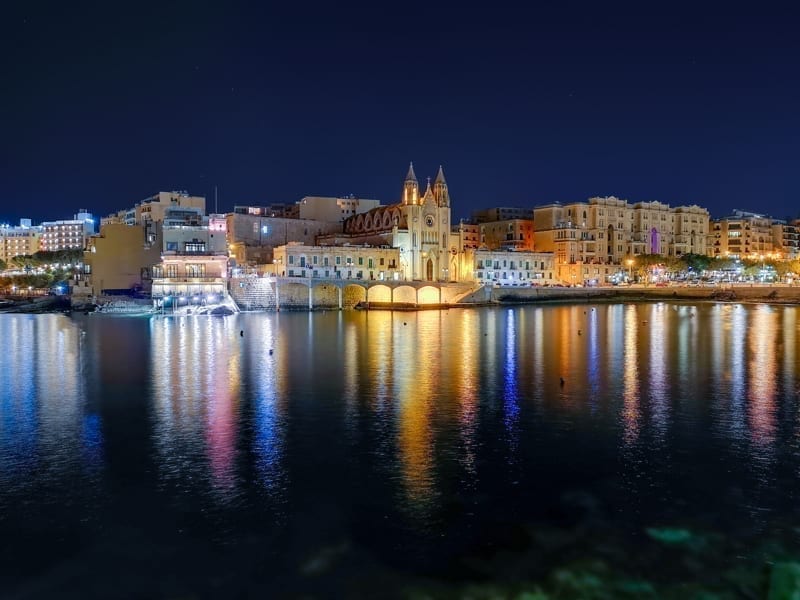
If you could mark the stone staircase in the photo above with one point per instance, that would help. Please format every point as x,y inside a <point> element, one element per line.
<point>253,293</point>
<point>479,293</point>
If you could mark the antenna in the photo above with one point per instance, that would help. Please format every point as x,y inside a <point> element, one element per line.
<point>216,211</point>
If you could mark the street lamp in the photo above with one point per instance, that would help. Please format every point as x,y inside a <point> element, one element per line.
<point>630,268</point>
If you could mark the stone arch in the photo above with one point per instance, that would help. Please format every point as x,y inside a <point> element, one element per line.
<point>293,294</point>
<point>428,294</point>
<point>429,270</point>
<point>387,221</point>
<point>379,293</point>
<point>405,294</point>
<point>368,222</point>
<point>352,294</point>
<point>325,295</point>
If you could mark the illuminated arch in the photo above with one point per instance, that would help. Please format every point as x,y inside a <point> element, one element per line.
<point>428,295</point>
<point>379,293</point>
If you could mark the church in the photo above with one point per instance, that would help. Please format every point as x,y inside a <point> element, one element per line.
<point>418,225</point>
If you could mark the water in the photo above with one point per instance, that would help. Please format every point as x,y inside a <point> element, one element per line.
<point>343,453</point>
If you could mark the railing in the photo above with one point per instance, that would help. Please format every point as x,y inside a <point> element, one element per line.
<point>193,253</point>
<point>170,280</point>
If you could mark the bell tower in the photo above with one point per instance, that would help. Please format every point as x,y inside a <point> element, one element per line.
<point>411,187</point>
<point>440,193</point>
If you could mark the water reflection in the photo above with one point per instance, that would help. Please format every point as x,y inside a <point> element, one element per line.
<point>631,412</point>
<point>416,367</point>
<point>510,399</point>
<point>658,387</point>
<point>396,420</point>
<point>762,379</point>
<point>464,364</point>
<point>267,355</point>
<point>45,423</point>
<point>196,366</point>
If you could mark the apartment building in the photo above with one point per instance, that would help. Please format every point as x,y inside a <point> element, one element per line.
<point>742,234</point>
<point>606,231</point>
<point>70,234</point>
<point>22,240</point>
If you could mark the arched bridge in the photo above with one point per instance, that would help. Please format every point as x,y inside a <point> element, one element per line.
<point>315,292</point>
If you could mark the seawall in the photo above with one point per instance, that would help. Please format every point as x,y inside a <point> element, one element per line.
<point>730,293</point>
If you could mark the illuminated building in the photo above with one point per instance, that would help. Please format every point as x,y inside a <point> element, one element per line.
<point>742,235</point>
<point>295,259</point>
<point>255,231</point>
<point>418,225</point>
<point>513,233</point>
<point>117,260</point>
<point>194,260</point>
<point>514,268</point>
<point>606,231</point>
<point>66,235</point>
<point>786,239</point>
<point>153,209</point>
<point>22,240</point>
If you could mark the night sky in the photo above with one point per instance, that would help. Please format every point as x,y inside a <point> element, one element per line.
<point>103,106</point>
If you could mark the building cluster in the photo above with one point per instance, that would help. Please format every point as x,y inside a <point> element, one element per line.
<point>167,243</point>
<point>26,239</point>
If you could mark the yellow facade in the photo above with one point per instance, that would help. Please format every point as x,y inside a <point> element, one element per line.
<point>118,258</point>
<point>373,263</point>
<point>608,231</point>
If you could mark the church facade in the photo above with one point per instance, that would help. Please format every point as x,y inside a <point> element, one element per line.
<point>419,225</point>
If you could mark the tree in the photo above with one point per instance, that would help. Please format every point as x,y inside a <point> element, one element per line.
<point>696,262</point>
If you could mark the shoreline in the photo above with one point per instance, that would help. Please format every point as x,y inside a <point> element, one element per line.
<point>494,297</point>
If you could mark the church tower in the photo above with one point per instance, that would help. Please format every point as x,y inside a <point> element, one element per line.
<point>411,187</point>
<point>425,243</point>
<point>440,192</point>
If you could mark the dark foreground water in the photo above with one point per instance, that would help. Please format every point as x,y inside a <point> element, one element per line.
<point>430,454</point>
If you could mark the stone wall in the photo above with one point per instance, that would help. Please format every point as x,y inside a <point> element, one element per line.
<point>744,293</point>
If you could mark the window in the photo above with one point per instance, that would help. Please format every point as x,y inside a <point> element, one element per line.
<point>196,270</point>
<point>291,260</point>
<point>338,260</point>
<point>381,261</point>
<point>360,261</point>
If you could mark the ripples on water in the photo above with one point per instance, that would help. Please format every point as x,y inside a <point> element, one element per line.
<point>335,450</point>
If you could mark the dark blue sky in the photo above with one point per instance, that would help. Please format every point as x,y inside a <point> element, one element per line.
<point>682,103</point>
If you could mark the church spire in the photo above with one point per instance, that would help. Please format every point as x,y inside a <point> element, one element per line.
<point>411,175</point>
<point>411,187</point>
<point>440,176</point>
<point>428,195</point>
<point>440,193</point>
